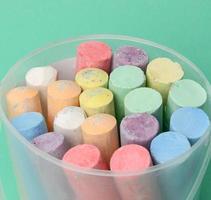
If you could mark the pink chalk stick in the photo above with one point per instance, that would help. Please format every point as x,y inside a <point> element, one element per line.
<point>94,54</point>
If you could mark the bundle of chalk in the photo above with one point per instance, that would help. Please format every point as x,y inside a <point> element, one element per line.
<point>122,112</point>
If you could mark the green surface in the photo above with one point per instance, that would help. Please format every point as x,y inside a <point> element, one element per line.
<point>183,25</point>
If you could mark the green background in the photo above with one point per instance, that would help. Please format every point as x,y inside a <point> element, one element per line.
<point>184,25</point>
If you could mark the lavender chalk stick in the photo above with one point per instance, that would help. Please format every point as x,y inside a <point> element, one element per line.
<point>129,55</point>
<point>51,143</point>
<point>139,129</point>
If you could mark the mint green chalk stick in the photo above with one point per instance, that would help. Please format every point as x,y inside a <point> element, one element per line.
<point>122,80</point>
<point>143,100</point>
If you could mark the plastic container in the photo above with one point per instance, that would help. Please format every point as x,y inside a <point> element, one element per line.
<point>40,176</point>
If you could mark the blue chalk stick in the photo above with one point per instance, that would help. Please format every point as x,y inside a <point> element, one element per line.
<point>30,124</point>
<point>191,122</point>
<point>167,146</point>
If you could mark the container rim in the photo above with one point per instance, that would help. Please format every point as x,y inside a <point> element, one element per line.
<point>97,172</point>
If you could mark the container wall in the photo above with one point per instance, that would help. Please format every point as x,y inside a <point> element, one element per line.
<point>40,178</point>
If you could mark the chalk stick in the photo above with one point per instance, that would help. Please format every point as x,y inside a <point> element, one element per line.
<point>191,122</point>
<point>185,93</point>
<point>68,122</point>
<point>130,55</point>
<point>138,128</point>
<point>121,83</point>
<point>23,99</point>
<point>94,54</point>
<point>143,100</point>
<point>101,130</point>
<point>161,73</point>
<point>51,143</point>
<point>97,100</point>
<point>39,78</point>
<point>168,146</point>
<point>61,94</point>
<point>30,124</point>
<point>91,78</point>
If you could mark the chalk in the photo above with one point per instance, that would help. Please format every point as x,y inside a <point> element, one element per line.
<point>61,93</point>
<point>94,54</point>
<point>85,155</point>
<point>101,130</point>
<point>39,78</point>
<point>168,146</point>
<point>51,143</point>
<point>68,122</point>
<point>91,78</point>
<point>130,55</point>
<point>191,122</point>
<point>184,93</point>
<point>97,100</point>
<point>161,73</point>
<point>130,158</point>
<point>23,99</point>
<point>143,100</point>
<point>122,80</point>
<point>30,124</point>
<point>138,128</point>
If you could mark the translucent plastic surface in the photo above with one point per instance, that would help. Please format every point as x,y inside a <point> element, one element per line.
<point>42,177</point>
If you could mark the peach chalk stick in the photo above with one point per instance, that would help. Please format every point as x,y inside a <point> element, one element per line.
<point>101,130</point>
<point>21,100</point>
<point>97,100</point>
<point>94,54</point>
<point>39,78</point>
<point>61,94</point>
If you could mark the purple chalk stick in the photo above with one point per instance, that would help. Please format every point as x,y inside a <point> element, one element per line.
<point>138,128</point>
<point>129,55</point>
<point>51,143</point>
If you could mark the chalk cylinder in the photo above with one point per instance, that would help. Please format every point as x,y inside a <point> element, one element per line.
<point>139,129</point>
<point>168,146</point>
<point>30,124</point>
<point>161,73</point>
<point>121,83</point>
<point>39,78</point>
<point>23,99</point>
<point>101,130</point>
<point>97,100</point>
<point>191,122</point>
<point>61,94</point>
<point>184,93</point>
<point>91,78</point>
<point>68,122</point>
<point>51,143</point>
<point>130,55</point>
<point>144,100</point>
<point>94,54</point>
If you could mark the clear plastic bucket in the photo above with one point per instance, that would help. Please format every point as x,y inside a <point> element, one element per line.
<point>42,177</point>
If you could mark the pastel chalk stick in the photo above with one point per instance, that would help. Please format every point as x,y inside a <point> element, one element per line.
<point>130,55</point>
<point>51,143</point>
<point>139,129</point>
<point>168,146</point>
<point>101,130</point>
<point>121,83</point>
<point>61,94</point>
<point>184,93</point>
<point>161,73</point>
<point>94,54</point>
<point>68,122</point>
<point>91,78</point>
<point>23,99</point>
<point>97,100</point>
<point>143,100</point>
<point>39,78</point>
<point>30,125</point>
<point>191,122</point>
